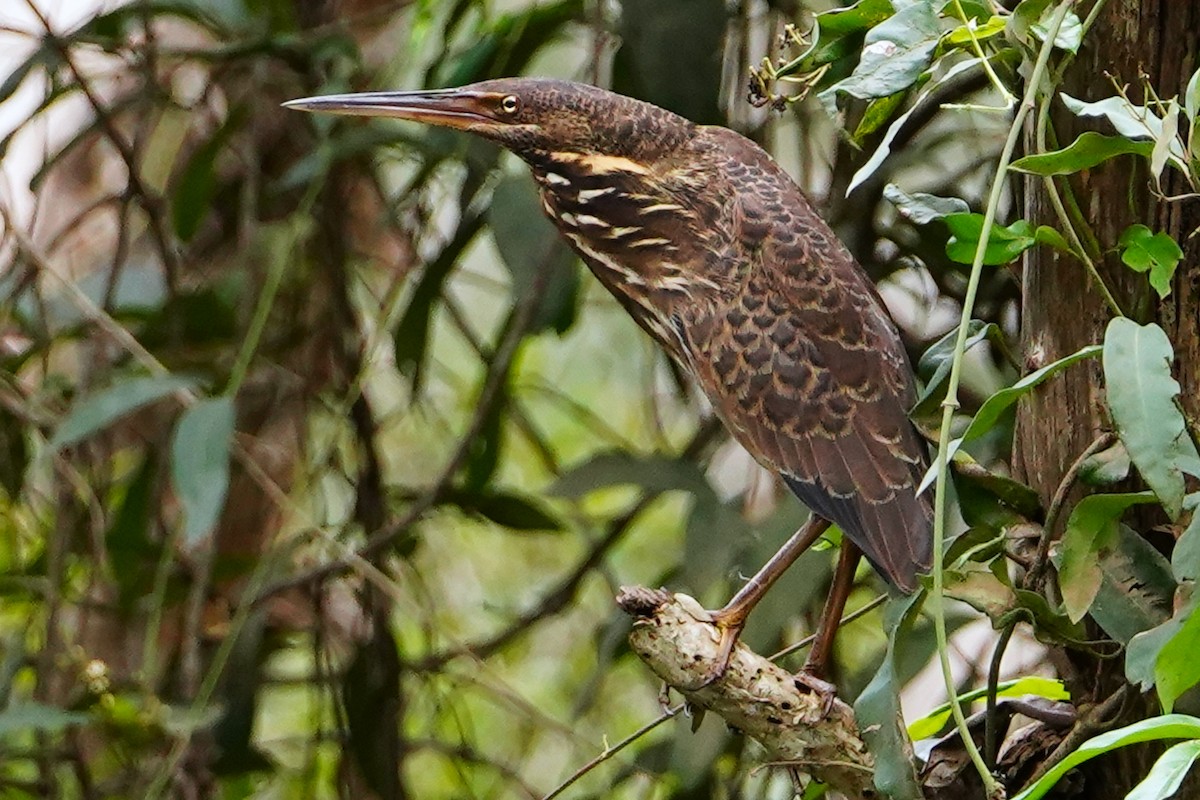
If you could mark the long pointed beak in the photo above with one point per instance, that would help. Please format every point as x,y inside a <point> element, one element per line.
<point>449,108</point>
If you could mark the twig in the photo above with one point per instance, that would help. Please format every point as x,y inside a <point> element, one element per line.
<point>497,374</point>
<point>558,597</point>
<point>611,751</point>
<point>990,743</point>
<point>151,201</point>
<point>676,638</point>
<point>1034,577</point>
<point>1095,719</point>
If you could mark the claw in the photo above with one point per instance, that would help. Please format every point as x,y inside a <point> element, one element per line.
<point>730,628</point>
<point>824,689</point>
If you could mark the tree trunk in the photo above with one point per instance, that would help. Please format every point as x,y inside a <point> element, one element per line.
<point>1063,311</point>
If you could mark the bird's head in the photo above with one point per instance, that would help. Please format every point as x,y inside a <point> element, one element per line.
<point>535,118</point>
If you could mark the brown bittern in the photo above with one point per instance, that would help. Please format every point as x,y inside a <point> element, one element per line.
<point>717,254</point>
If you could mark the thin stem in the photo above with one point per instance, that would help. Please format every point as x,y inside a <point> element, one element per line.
<point>987,64</point>
<point>1048,183</point>
<point>937,596</point>
<point>990,744</point>
<point>609,752</point>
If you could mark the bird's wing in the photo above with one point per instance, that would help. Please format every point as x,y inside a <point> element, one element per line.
<point>808,371</point>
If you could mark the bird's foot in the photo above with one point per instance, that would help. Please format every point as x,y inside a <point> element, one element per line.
<point>822,688</point>
<point>729,628</point>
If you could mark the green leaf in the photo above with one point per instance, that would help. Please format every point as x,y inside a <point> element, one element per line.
<point>411,337</point>
<point>885,145</point>
<point>620,468</point>
<point>1168,772</point>
<point>994,407</point>
<point>30,716</point>
<point>1004,244</point>
<point>859,17</point>
<point>998,403</point>
<point>14,451</point>
<point>921,208</point>
<point>200,464</point>
<point>1087,151</point>
<point>1092,529</point>
<point>878,111</point>
<point>878,712</point>
<point>1132,121</point>
<point>1044,234</point>
<point>98,410</point>
<point>192,197</point>
<point>838,32</point>
<point>936,361</point>
<point>511,510</point>
<point>962,35</point>
<point>1070,32</point>
<point>1141,652</point>
<point>1169,726</point>
<point>1185,557</point>
<point>483,456</point>
<point>1136,587</point>
<point>1107,467</point>
<point>935,720</point>
<point>1157,253</point>
<point>895,53</point>
<point>1141,398</point>
<point>128,540</point>
<point>1177,668</point>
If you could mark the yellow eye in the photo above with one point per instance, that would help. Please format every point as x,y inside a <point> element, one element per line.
<point>510,104</point>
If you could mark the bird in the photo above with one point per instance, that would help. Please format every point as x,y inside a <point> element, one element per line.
<point>717,254</point>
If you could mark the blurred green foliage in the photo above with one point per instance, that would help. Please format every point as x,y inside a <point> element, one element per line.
<point>321,457</point>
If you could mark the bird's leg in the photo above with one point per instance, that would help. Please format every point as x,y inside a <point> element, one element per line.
<point>732,618</point>
<point>812,674</point>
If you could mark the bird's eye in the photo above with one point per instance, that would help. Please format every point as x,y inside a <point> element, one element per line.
<point>510,104</point>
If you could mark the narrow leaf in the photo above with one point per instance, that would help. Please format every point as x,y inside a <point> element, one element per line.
<point>1141,398</point>
<point>885,145</point>
<point>200,464</point>
<point>1169,726</point>
<point>29,716</point>
<point>98,410</point>
<point>1087,151</point>
<point>1185,557</point>
<point>995,406</point>
<point>999,402</point>
<point>878,710</point>
<point>1166,139</point>
<point>1191,97</point>
<point>921,208</point>
<point>1167,774</point>
<point>1050,688</point>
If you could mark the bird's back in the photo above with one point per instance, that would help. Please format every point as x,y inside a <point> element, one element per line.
<point>715,251</point>
<point>806,366</point>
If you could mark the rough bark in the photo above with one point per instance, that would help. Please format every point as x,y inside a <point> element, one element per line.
<point>1062,311</point>
<point>813,734</point>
